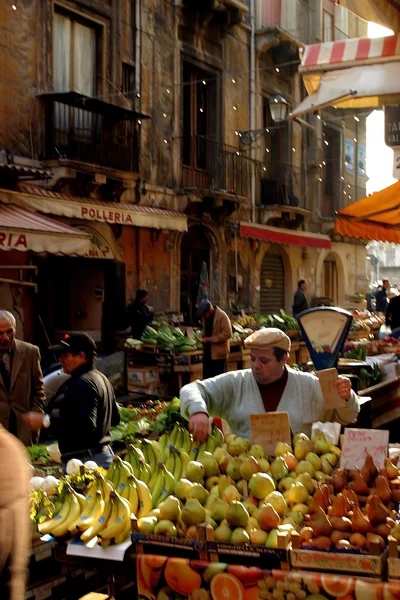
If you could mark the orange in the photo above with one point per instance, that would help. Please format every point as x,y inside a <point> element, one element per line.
<point>251,593</point>
<point>338,587</point>
<point>226,587</point>
<point>246,575</point>
<point>181,577</point>
<point>155,562</point>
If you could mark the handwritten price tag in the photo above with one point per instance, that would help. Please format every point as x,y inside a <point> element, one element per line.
<point>267,429</point>
<point>357,442</point>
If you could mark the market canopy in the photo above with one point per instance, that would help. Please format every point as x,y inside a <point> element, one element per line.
<point>353,73</point>
<point>23,230</point>
<point>52,203</point>
<point>378,11</point>
<point>376,217</point>
<point>279,235</point>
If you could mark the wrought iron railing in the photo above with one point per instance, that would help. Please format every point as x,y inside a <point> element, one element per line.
<point>83,135</point>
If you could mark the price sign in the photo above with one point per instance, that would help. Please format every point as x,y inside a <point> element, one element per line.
<point>356,444</point>
<point>267,429</point>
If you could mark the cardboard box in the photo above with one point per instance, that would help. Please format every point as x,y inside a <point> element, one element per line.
<point>143,376</point>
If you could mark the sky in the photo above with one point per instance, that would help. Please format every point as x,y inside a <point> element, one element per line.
<point>379,156</point>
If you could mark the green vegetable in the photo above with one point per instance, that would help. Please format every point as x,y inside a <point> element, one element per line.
<point>39,453</point>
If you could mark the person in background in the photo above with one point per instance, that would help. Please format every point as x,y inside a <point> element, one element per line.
<point>15,525</point>
<point>217,332</point>
<point>392,313</point>
<point>300,302</point>
<point>381,296</point>
<point>139,316</point>
<point>86,409</point>
<point>21,380</point>
<point>270,385</point>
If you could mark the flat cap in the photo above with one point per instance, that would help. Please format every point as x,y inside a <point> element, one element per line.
<point>269,337</point>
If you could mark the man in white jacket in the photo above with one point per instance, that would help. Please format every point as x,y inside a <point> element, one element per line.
<point>269,385</point>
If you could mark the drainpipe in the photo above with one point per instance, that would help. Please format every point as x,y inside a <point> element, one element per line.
<point>252,103</point>
<point>138,49</point>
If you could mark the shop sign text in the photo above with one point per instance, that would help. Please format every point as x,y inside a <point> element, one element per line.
<point>15,241</point>
<point>106,215</point>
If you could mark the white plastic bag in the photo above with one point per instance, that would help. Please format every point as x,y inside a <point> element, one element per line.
<point>330,430</point>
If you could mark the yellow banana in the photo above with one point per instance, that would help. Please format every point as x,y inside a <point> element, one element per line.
<point>158,485</point>
<point>124,536</point>
<point>187,442</point>
<point>170,461</point>
<point>48,526</point>
<point>116,526</point>
<point>105,487</point>
<point>194,450</point>
<point>177,470</point>
<point>173,435</point>
<point>184,460</point>
<point>93,511</point>
<point>217,433</point>
<point>163,443</point>
<point>113,472</point>
<point>133,497</point>
<point>100,524</point>
<point>167,488</point>
<point>211,443</point>
<point>179,437</point>
<point>144,473</point>
<point>124,474</point>
<point>145,499</point>
<point>74,511</point>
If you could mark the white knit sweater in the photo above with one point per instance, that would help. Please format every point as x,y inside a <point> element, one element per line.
<point>235,395</point>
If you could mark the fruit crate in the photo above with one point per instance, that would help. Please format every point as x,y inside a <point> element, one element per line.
<point>170,546</point>
<point>188,361</point>
<point>393,560</point>
<point>249,554</point>
<point>341,562</point>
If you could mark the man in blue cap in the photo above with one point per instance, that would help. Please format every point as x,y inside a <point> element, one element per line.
<point>217,332</point>
<point>87,407</point>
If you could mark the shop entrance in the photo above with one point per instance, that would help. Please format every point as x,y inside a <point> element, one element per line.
<point>86,295</point>
<point>272,283</point>
<point>331,286</point>
<point>195,249</point>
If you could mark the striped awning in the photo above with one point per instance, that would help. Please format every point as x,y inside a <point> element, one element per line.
<point>287,237</point>
<point>353,73</point>
<point>23,230</point>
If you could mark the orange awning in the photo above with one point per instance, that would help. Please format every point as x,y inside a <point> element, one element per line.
<point>376,217</point>
<point>384,12</point>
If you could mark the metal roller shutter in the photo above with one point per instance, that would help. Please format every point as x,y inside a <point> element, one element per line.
<point>272,283</point>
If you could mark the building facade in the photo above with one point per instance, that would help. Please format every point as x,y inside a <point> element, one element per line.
<point>148,127</point>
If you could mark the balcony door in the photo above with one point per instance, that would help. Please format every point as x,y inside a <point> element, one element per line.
<point>74,69</point>
<point>272,283</point>
<point>199,126</point>
<point>195,249</point>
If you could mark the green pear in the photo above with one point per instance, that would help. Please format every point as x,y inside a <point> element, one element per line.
<point>199,492</point>
<point>260,485</point>
<point>165,528</point>
<point>194,471</point>
<point>314,459</point>
<point>285,483</point>
<point>219,509</point>
<point>279,468</point>
<point>330,457</point>
<point>278,502</point>
<point>237,515</point>
<point>248,467</point>
<point>209,463</point>
<point>301,448</point>
<point>320,443</point>
<point>305,467</point>
<point>170,509</point>
<point>257,451</point>
<point>182,487</point>
<point>233,469</point>
<point>307,481</point>
<point>282,448</point>
<point>272,539</point>
<point>210,521</point>
<point>146,524</point>
<point>297,494</point>
<point>300,436</point>
<point>193,512</point>
<point>223,533</point>
<point>240,536</point>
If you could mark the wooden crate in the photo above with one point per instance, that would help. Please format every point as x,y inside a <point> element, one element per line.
<point>294,349</point>
<point>302,354</point>
<point>350,563</point>
<point>170,546</point>
<point>393,560</point>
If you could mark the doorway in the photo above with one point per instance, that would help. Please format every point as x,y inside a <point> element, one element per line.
<point>195,249</point>
<point>331,280</point>
<point>272,283</point>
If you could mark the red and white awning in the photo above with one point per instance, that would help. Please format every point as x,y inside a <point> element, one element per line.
<point>23,230</point>
<point>353,73</point>
<point>287,237</point>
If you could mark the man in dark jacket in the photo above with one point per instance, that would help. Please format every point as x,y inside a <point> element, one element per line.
<point>381,296</point>
<point>86,408</point>
<point>138,314</point>
<point>393,313</point>
<point>300,302</point>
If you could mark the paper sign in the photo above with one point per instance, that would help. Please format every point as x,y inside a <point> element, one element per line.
<point>267,429</point>
<point>332,398</point>
<point>117,553</point>
<point>356,443</point>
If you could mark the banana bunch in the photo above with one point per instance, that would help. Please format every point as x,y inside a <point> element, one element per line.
<point>66,515</point>
<point>161,484</point>
<point>214,440</point>
<point>118,473</point>
<point>92,511</point>
<point>121,475</point>
<point>151,452</point>
<point>136,459</point>
<point>179,437</point>
<point>113,525</point>
<point>176,462</point>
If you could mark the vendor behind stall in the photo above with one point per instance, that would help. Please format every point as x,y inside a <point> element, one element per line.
<point>138,314</point>
<point>269,385</point>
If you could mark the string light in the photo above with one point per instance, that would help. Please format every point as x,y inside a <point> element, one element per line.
<point>139,121</point>
<point>234,107</point>
<point>320,179</point>
<point>356,118</point>
<point>168,91</point>
<point>355,139</point>
<point>14,6</point>
<point>342,178</point>
<point>277,69</point>
<point>326,143</point>
<point>266,149</point>
<point>233,80</point>
<point>319,117</point>
<point>138,95</point>
<point>293,149</point>
<point>164,115</point>
<point>165,141</point>
<point>204,82</point>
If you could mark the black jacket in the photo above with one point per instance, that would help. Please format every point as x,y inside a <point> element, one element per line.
<point>381,300</point>
<point>139,317</point>
<point>84,412</point>
<point>393,313</point>
<point>300,302</point>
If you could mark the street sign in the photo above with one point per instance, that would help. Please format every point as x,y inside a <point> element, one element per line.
<point>392,125</point>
